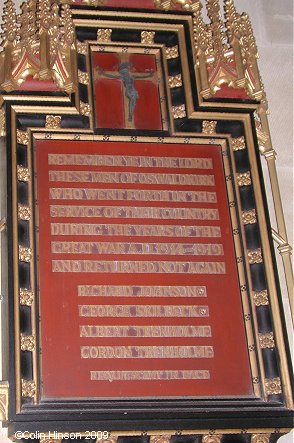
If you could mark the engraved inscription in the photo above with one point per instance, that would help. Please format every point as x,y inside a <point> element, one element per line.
<point>132,195</point>
<point>142,267</point>
<point>132,177</point>
<point>142,311</point>
<point>145,331</point>
<point>150,375</point>
<point>126,160</point>
<point>134,212</point>
<point>141,291</point>
<point>136,248</point>
<point>147,352</point>
<point>134,230</point>
<point>138,238</point>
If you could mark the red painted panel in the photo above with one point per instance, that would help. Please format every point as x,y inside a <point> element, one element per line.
<point>64,373</point>
<point>108,61</point>
<point>147,113</point>
<point>38,85</point>
<point>109,105</point>
<point>143,63</point>
<point>227,92</point>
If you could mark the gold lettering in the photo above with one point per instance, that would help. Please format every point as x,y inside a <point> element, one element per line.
<point>147,352</point>
<point>134,230</point>
<point>134,212</point>
<point>141,291</point>
<point>132,195</point>
<point>132,177</point>
<point>143,311</point>
<point>133,161</point>
<point>141,267</point>
<point>136,248</point>
<point>151,375</point>
<point>145,331</point>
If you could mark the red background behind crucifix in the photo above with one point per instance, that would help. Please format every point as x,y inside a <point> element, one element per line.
<point>112,104</point>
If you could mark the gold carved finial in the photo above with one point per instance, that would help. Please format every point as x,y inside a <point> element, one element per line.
<point>261,298</point>
<point>147,37</point>
<point>23,137</point>
<point>209,127</point>
<point>27,342</point>
<point>179,111</point>
<point>244,179</point>
<point>249,217</point>
<point>85,109</point>
<point>28,388</point>
<point>255,256</point>
<point>238,144</point>
<point>260,438</point>
<point>23,174</point>
<point>172,52</point>
<point>267,340</point>
<point>273,386</point>
<point>175,81</point>
<point>24,212</point>
<point>38,43</point>
<point>162,438</point>
<point>9,38</point>
<point>211,438</point>
<point>26,297</point>
<point>216,29</point>
<point>25,254</point>
<point>53,121</point>
<point>4,400</point>
<point>104,35</point>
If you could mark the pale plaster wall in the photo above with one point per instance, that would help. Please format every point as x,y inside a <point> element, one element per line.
<point>273,25</point>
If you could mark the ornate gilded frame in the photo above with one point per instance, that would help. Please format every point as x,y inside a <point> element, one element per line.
<point>240,127</point>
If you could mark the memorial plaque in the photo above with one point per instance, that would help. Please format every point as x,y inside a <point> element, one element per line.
<point>135,241</point>
<point>139,282</point>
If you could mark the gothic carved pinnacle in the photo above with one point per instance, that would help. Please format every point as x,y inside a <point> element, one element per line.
<point>37,43</point>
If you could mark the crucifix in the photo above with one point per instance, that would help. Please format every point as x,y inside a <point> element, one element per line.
<point>128,78</point>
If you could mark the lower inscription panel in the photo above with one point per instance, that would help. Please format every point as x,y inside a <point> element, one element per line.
<point>138,285</point>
